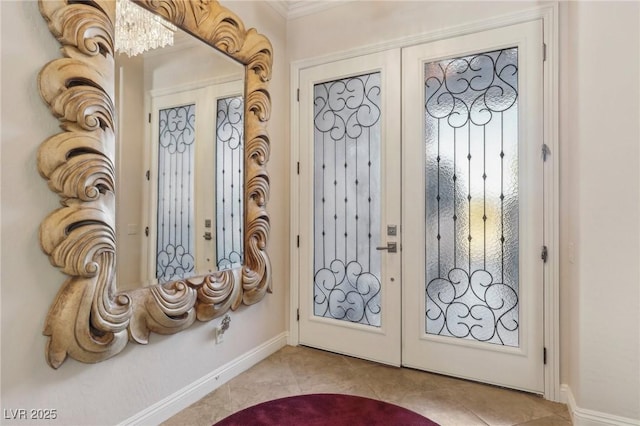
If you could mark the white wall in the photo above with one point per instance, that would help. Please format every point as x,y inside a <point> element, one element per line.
<point>363,23</point>
<point>130,168</point>
<point>602,290</point>
<point>600,323</point>
<point>114,390</point>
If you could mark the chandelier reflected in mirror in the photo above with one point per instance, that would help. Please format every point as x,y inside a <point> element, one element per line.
<point>138,30</point>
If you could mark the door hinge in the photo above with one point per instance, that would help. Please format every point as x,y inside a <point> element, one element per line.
<point>148,174</point>
<point>544,52</point>
<point>298,95</point>
<point>544,356</point>
<point>546,151</point>
<point>298,167</point>
<point>149,117</point>
<point>146,231</point>
<point>544,254</point>
<point>298,314</point>
<point>297,240</point>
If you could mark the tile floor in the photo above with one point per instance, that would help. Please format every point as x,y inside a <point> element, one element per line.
<point>300,370</point>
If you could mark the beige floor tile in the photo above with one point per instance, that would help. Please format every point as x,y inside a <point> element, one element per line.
<point>554,420</point>
<point>433,381</point>
<point>347,388</point>
<point>441,406</point>
<point>196,418</point>
<point>246,395</point>
<point>446,417</point>
<point>387,382</point>
<point>210,409</point>
<point>312,361</point>
<point>289,354</point>
<point>324,373</point>
<point>267,371</point>
<point>497,406</point>
<point>302,370</point>
<point>555,407</point>
<point>356,363</point>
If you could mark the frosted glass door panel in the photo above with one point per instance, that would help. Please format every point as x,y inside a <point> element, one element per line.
<point>175,257</point>
<point>347,202</point>
<point>229,181</point>
<point>471,117</point>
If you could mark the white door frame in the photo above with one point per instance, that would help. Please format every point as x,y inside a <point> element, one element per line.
<point>549,16</point>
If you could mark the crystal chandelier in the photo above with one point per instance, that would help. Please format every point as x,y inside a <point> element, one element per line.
<point>138,30</point>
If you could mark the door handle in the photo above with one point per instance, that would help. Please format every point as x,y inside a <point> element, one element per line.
<point>391,247</point>
<point>207,236</point>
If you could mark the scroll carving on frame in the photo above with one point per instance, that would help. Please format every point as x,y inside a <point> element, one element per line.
<point>89,319</point>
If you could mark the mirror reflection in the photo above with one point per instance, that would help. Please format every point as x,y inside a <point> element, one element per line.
<point>179,163</point>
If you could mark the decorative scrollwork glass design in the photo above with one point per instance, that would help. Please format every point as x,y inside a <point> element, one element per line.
<point>347,190</point>
<point>471,117</point>
<point>229,178</point>
<point>175,234</point>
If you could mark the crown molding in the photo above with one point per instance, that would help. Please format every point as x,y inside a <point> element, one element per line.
<point>280,6</point>
<point>292,9</point>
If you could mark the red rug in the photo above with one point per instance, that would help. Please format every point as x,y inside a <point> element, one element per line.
<point>325,409</point>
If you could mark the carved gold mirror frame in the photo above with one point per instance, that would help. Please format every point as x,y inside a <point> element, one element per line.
<point>89,319</point>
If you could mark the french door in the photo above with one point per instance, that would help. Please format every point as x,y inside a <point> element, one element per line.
<point>472,127</point>
<point>471,197</point>
<point>350,204</point>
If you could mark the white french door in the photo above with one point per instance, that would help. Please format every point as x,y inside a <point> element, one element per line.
<point>350,203</point>
<point>472,215</point>
<point>472,208</point>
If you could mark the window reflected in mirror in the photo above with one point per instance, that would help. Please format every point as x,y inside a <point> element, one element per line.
<point>229,181</point>
<point>180,168</point>
<point>175,207</point>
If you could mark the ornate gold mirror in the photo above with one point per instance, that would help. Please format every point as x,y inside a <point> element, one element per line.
<point>90,320</point>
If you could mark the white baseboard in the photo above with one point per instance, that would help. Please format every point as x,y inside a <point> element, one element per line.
<point>186,396</point>
<point>584,417</point>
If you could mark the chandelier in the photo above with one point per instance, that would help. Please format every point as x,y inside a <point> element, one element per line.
<point>138,30</point>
